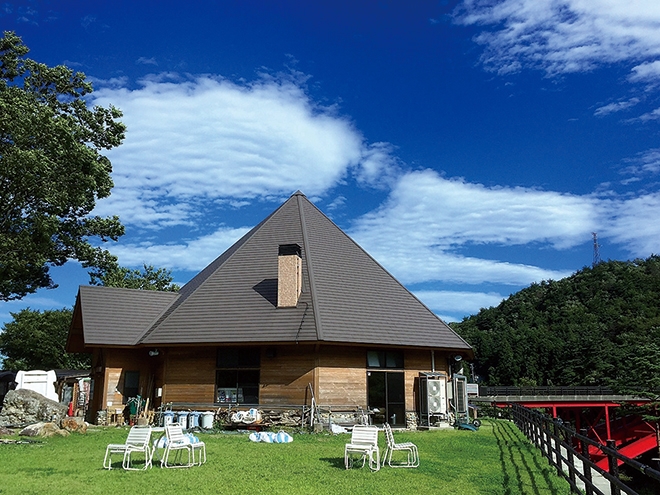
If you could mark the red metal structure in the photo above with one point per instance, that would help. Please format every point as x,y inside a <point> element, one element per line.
<point>592,410</point>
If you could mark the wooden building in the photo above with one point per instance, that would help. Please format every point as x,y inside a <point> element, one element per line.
<point>294,307</point>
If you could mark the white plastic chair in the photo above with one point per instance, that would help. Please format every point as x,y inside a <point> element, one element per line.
<point>176,441</point>
<point>138,441</point>
<point>409,447</point>
<point>201,447</point>
<point>364,441</point>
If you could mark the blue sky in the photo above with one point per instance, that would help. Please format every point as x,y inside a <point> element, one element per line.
<point>471,147</point>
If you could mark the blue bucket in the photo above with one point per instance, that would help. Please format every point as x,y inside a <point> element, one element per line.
<point>193,419</point>
<point>168,418</point>
<point>182,418</point>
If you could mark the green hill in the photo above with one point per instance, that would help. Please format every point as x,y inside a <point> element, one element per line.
<point>600,326</point>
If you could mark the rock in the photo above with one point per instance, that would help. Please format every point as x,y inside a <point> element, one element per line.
<point>74,424</point>
<point>51,430</point>
<point>32,431</point>
<point>43,430</point>
<point>5,431</point>
<point>24,407</point>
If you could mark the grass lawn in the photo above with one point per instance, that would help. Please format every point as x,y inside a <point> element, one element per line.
<point>497,459</point>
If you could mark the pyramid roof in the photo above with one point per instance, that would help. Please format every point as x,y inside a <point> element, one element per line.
<point>347,296</point>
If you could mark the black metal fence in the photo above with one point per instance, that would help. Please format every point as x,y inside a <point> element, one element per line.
<point>545,391</point>
<point>568,452</point>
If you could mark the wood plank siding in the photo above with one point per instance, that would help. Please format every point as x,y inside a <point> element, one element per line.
<point>190,375</point>
<point>338,374</point>
<point>286,371</point>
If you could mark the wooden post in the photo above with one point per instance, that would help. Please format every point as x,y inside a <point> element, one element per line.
<point>614,468</point>
<point>555,430</point>
<point>586,468</point>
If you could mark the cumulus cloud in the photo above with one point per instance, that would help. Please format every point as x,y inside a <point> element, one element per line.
<point>205,138</point>
<point>563,36</point>
<point>438,216</point>
<point>190,255</point>
<point>458,302</point>
<point>421,232</point>
<point>634,223</point>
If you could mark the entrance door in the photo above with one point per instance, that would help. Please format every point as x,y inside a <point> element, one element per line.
<point>387,394</point>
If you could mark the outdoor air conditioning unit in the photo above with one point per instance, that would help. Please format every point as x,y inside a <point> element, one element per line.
<point>432,398</point>
<point>437,396</point>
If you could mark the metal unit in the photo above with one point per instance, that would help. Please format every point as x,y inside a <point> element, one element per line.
<point>432,398</point>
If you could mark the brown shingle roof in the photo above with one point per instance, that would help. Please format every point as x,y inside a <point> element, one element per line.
<point>347,297</point>
<point>116,316</point>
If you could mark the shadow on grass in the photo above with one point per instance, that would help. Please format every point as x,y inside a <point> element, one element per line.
<point>517,454</point>
<point>335,462</point>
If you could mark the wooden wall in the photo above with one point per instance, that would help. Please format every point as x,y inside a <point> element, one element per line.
<point>189,375</point>
<point>117,362</point>
<point>342,376</point>
<point>286,371</point>
<point>338,374</point>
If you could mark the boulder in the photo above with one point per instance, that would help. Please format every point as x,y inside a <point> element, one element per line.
<point>74,424</point>
<point>5,431</point>
<point>24,407</point>
<point>42,429</point>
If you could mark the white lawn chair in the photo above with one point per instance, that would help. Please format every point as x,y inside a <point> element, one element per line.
<point>176,441</point>
<point>138,440</point>
<point>409,447</point>
<point>201,447</point>
<point>364,442</point>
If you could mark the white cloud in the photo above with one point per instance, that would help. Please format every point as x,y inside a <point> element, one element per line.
<point>205,138</point>
<point>618,106</point>
<point>458,302</point>
<point>645,162</point>
<point>146,61</point>
<point>562,36</point>
<point>379,167</point>
<point>436,217</point>
<point>648,116</point>
<point>451,212</point>
<point>191,255</point>
<point>646,72</point>
<point>634,224</point>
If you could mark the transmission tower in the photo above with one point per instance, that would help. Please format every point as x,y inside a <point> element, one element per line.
<point>596,249</point>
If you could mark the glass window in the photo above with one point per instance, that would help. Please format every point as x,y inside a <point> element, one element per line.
<point>238,357</point>
<point>131,385</point>
<point>237,376</point>
<point>385,359</point>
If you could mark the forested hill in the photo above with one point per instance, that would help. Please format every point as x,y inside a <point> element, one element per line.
<point>600,326</point>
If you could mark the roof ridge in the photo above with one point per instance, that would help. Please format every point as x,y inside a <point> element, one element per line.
<point>310,270</point>
<point>202,277</point>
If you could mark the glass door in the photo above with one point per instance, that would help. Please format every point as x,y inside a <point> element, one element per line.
<point>386,393</point>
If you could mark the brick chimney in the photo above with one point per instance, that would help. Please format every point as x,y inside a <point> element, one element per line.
<point>289,275</point>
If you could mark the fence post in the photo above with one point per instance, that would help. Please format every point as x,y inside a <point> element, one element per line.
<point>555,430</point>
<point>614,468</point>
<point>586,468</point>
<point>570,458</point>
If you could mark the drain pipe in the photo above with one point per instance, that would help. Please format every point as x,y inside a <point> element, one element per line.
<point>433,360</point>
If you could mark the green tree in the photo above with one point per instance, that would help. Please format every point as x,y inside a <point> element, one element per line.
<point>600,326</point>
<point>149,278</point>
<point>51,171</point>
<point>37,340</point>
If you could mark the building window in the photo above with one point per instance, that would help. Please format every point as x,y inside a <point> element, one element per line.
<point>385,359</point>
<point>237,375</point>
<point>131,385</point>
